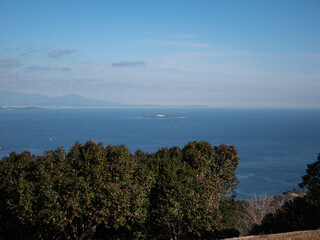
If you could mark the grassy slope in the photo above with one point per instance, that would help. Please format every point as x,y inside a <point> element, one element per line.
<point>300,235</point>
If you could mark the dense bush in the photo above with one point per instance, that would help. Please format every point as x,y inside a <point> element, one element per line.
<point>311,181</point>
<point>103,193</point>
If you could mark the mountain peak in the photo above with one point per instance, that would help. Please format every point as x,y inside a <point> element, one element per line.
<point>10,98</point>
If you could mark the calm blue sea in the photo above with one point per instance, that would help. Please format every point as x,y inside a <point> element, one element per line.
<point>274,145</point>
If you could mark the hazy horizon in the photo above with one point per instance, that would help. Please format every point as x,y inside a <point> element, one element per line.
<point>233,54</point>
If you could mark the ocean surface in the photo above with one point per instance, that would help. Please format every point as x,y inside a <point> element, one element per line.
<point>274,146</point>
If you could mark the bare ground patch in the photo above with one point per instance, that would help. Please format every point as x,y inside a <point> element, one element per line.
<point>299,235</point>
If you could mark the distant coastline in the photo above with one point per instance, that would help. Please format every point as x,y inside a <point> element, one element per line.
<point>22,108</point>
<point>15,100</point>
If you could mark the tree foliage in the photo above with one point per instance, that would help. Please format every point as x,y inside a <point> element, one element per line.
<point>312,181</point>
<point>97,192</point>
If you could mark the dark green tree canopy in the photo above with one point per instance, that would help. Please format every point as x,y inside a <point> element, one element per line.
<point>94,191</point>
<point>312,181</point>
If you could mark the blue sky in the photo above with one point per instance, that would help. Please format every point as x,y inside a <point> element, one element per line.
<point>217,53</point>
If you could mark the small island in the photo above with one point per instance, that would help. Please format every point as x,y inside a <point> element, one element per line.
<point>160,116</point>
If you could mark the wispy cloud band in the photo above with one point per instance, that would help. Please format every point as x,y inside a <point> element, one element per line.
<point>184,36</point>
<point>9,63</point>
<point>129,64</point>
<point>59,53</point>
<point>38,68</point>
<point>184,44</point>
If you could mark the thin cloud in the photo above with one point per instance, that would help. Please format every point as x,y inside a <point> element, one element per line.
<point>129,64</point>
<point>59,53</point>
<point>184,44</point>
<point>38,68</point>
<point>28,52</point>
<point>34,83</point>
<point>9,63</point>
<point>208,54</point>
<point>184,36</point>
<point>31,50</point>
<point>292,54</point>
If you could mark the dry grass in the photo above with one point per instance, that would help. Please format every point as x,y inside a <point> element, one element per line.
<point>301,235</point>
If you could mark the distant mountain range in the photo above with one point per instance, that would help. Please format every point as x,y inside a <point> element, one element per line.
<point>8,98</point>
